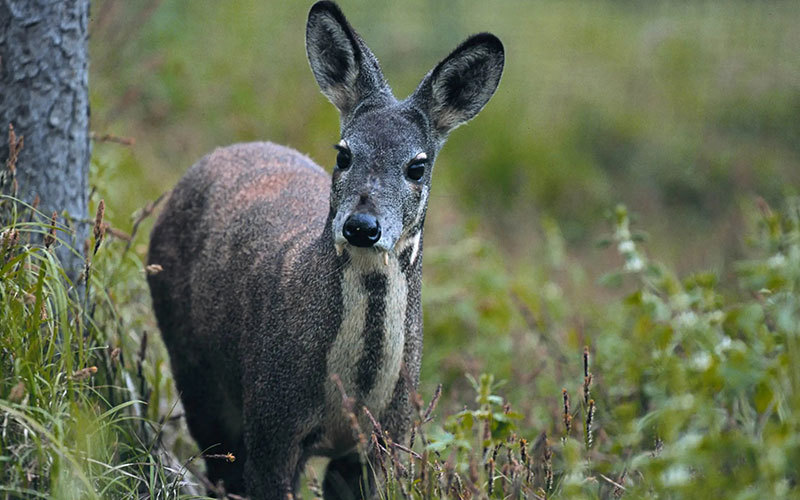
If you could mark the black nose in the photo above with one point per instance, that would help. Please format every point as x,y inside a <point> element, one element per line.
<point>362,230</point>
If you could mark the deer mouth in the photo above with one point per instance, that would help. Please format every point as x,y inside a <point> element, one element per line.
<point>379,251</point>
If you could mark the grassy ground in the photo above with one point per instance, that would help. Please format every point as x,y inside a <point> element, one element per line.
<point>684,388</point>
<point>685,112</point>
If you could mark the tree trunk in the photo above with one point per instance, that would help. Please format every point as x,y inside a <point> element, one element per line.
<point>44,62</point>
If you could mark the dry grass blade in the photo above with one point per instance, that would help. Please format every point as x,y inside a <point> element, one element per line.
<point>616,485</point>
<point>228,457</point>
<point>376,426</point>
<point>407,450</point>
<point>379,452</point>
<point>15,145</point>
<point>432,405</point>
<point>125,141</point>
<point>99,229</point>
<point>50,237</point>
<point>348,407</point>
<point>116,233</point>
<point>143,214</point>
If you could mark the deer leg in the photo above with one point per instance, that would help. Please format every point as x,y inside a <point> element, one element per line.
<point>345,479</point>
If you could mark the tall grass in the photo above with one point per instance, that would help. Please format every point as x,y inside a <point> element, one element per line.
<point>79,386</point>
<point>686,388</point>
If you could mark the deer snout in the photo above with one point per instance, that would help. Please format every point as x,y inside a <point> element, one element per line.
<point>362,230</point>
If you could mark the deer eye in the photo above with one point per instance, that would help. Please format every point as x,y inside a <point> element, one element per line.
<point>416,170</point>
<point>344,157</point>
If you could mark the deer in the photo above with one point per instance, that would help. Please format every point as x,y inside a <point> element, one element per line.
<point>282,287</point>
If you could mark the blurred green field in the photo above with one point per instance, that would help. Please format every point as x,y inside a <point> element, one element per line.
<point>688,113</point>
<point>679,109</point>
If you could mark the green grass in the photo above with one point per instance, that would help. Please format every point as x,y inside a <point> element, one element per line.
<point>693,385</point>
<point>694,382</point>
<point>80,388</point>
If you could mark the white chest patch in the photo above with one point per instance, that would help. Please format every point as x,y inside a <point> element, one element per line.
<point>350,344</point>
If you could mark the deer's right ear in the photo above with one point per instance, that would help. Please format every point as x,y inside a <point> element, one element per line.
<point>345,69</point>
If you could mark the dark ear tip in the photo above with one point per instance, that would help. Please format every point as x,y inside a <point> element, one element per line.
<point>327,9</point>
<point>487,39</point>
<point>325,6</point>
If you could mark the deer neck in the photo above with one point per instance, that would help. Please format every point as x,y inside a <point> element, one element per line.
<point>367,351</point>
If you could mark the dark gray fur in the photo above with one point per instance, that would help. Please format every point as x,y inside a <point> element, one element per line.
<point>369,364</point>
<point>260,295</point>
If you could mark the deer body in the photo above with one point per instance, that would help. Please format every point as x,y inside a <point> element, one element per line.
<point>278,279</point>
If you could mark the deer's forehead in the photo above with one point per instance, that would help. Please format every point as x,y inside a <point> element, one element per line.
<point>387,130</point>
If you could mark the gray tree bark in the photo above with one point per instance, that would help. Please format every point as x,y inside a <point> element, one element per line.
<point>44,62</point>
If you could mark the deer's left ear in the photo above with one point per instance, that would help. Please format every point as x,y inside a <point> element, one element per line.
<point>461,85</point>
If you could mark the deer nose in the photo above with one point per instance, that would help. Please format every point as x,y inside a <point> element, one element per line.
<point>362,230</point>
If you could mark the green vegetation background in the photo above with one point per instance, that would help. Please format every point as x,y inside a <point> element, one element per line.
<point>678,109</point>
<point>688,113</point>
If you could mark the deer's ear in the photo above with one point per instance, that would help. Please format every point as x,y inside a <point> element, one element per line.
<point>461,85</point>
<point>345,69</point>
